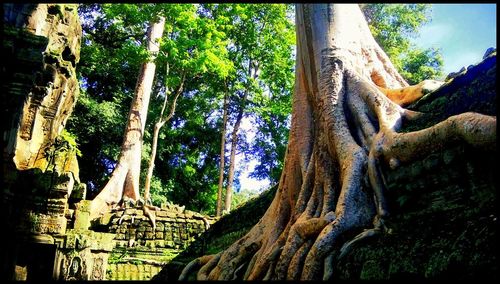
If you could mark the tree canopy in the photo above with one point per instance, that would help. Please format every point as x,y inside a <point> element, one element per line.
<point>236,49</point>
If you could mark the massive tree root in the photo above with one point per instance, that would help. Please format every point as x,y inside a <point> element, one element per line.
<point>344,128</point>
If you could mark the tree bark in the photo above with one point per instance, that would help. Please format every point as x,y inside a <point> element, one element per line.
<point>343,129</point>
<point>158,125</point>
<point>222,158</point>
<point>124,181</point>
<point>230,177</point>
<point>234,136</point>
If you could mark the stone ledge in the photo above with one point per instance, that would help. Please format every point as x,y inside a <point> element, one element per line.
<point>81,239</point>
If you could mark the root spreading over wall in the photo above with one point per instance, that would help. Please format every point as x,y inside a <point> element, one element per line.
<point>345,127</point>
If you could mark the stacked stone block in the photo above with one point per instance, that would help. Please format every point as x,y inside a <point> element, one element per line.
<point>173,230</point>
<point>131,271</point>
<point>140,250</point>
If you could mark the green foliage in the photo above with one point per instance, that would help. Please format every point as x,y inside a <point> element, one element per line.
<point>70,140</point>
<point>422,64</point>
<point>393,25</point>
<point>262,38</point>
<point>242,196</point>
<point>112,50</point>
<point>160,189</point>
<point>233,48</point>
<point>60,151</point>
<point>98,127</point>
<point>272,106</point>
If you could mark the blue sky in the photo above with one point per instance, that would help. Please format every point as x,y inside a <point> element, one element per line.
<point>462,31</point>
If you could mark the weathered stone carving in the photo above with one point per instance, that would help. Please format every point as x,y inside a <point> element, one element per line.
<point>54,86</point>
<point>41,47</point>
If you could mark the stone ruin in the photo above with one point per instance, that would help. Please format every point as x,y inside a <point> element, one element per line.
<point>142,250</point>
<point>48,233</point>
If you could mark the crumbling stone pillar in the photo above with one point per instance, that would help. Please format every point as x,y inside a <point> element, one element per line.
<point>40,50</point>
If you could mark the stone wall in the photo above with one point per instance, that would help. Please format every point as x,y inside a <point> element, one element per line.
<point>223,233</point>
<point>444,207</point>
<point>141,250</point>
<point>133,270</point>
<point>443,226</point>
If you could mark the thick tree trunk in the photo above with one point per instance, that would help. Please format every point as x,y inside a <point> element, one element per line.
<point>343,128</point>
<point>124,181</point>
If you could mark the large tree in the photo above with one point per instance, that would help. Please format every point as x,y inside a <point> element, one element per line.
<point>124,181</point>
<point>344,129</point>
<point>192,51</point>
<point>193,45</point>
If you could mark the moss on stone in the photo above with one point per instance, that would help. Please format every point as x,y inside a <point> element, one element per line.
<point>472,90</point>
<point>445,230</point>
